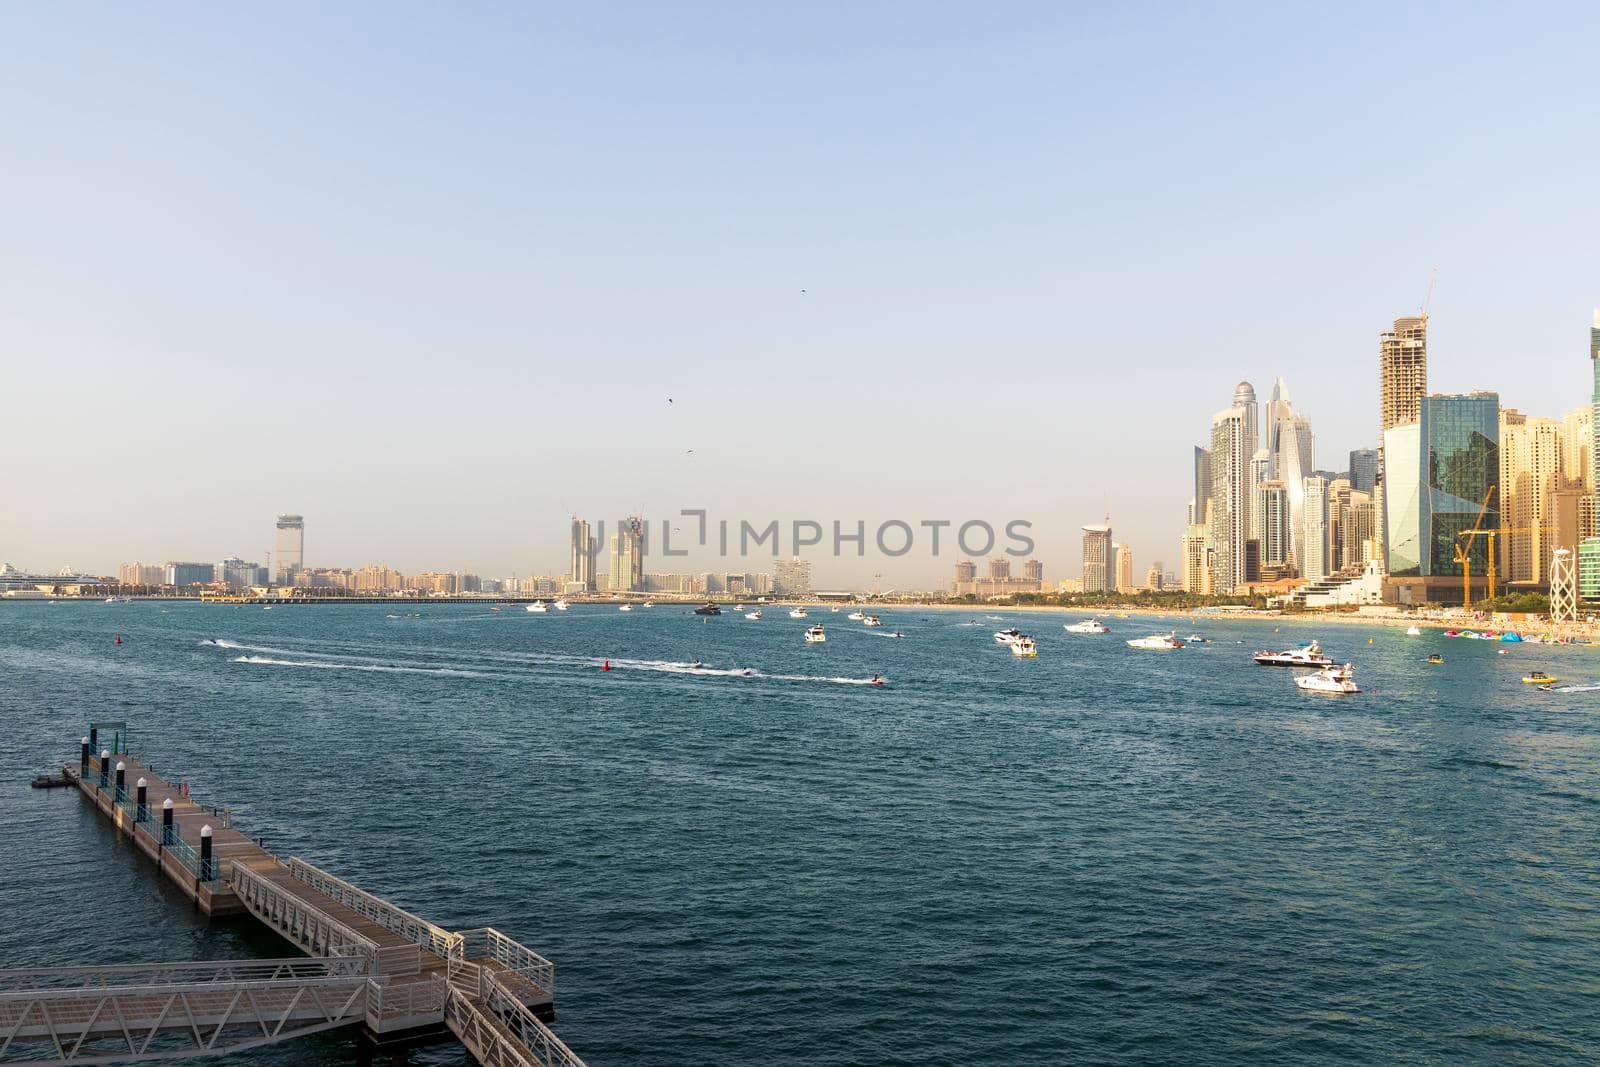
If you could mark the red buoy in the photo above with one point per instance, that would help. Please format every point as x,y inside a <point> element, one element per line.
<point>606,666</point>
<point>118,641</point>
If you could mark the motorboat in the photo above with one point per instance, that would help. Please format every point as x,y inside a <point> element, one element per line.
<point>1024,646</point>
<point>797,613</point>
<point>538,607</point>
<point>624,607</point>
<point>815,635</point>
<point>1307,655</point>
<point>1006,637</point>
<point>856,616</point>
<point>1540,678</point>
<point>709,609</point>
<point>872,620</point>
<point>1087,626</point>
<point>648,604</point>
<point>1337,681</point>
<point>1157,642</point>
<point>1196,639</point>
<point>561,605</point>
<point>753,616</point>
<point>897,633</point>
<point>1413,630</point>
<point>1435,659</point>
<point>834,609</point>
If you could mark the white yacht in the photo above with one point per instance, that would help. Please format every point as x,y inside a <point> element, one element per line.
<point>1024,646</point>
<point>753,616</point>
<point>1006,637</point>
<point>856,615</point>
<point>1335,680</point>
<point>872,620</point>
<point>538,607</point>
<point>1308,655</point>
<point>815,635</point>
<point>624,607</point>
<point>562,605</point>
<point>1158,642</point>
<point>797,613</point>
<point>1087,626</point>
<point>1413,630</point>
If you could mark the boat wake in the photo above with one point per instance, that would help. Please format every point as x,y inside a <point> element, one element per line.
<point>1576,689</point>
<point>383,668</point>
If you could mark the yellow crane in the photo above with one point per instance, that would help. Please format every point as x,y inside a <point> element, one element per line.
<point>1463,548</point>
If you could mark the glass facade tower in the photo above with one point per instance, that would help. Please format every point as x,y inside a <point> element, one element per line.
<point>1438,473</point>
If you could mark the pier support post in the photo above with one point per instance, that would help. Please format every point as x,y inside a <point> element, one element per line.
<point>166,823</point>
<point>94,737</point>
<point>139,812</point>
<point>105,767</point>
<point>83,758</point>
<point>205,853</point>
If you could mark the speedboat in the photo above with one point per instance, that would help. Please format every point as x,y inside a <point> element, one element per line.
<point>1196,639</point>
<point>1158,642</point>
<point>1087,626</point>
<point>624,607</point>
<point>1006,637</point>
<point>562,605</point>
<point>1413,630</point>
<point>856,616</point>
<point>648,604</point>
<point>753,616</point>
<point>1435,659</point>
<point>709,609</point>
<point>872,620</point>
<point>797,613</point>
<point>834,609</point>
<point>1539,678</point>
<point>1308,655</point>
<point>897,633</point>
<point>538,607</point>
<point>815,635</point>
<point>1024,646</point>
<point>1335,680</point>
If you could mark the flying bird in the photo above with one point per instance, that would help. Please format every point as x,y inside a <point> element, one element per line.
<point>688,452</point>
<point>669,400</point>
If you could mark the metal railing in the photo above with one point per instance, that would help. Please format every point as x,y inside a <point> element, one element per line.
<point>433,938</point>
<point>499,1032</point>
<point>391,1000</point>
<point>487,943</point>
<point>314,931</point>
<point>187,973</point>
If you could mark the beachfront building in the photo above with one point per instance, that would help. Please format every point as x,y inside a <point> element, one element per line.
<point>1099,559</point>
<point>1232,447</point>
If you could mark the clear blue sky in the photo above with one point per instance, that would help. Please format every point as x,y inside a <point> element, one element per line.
<point>427,274</point>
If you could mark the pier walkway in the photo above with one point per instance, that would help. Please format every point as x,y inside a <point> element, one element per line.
<point>367,963</point>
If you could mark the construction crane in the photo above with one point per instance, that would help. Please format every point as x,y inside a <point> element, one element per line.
<point>1433,279</point>
<point>1465,557</point>
<point>1463,548</point>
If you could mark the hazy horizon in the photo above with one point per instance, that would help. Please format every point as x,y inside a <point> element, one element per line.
<point>429,277</point>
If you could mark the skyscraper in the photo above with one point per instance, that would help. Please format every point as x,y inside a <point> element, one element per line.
<point>1291,458</point>
<point>1363,469</point>
<point>1403,360</point>
<point>999,569</point>
<point>290,547</point>
<point>1232,447</point>
<point>627,556</point>
<point>1437,473</point>
<point>1530,475</point>
<point>1260,471</point>
<point>1314,538</point>
<point>1202,486</point>
<point>1272,502</point>
<point>966,571</point>
<point>1033,571</point>
<point>581,569</point>
<point>1124,556</point>
<point>1099,559</point>
<point>791,577</point>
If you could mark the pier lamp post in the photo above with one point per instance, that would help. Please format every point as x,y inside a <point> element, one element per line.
<point>122,776</point>
<point>83,757</point>
<point>139,812</point>
<point>205,853</point>
<point>166,821</point>
<point>105,767</point>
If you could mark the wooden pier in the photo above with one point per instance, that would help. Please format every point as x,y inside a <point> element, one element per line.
<point>367,963</point>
